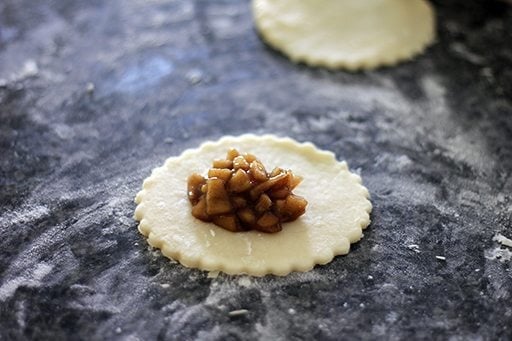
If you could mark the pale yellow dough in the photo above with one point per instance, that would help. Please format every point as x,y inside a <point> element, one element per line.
<point>350,34</point>
<point>337,212</point>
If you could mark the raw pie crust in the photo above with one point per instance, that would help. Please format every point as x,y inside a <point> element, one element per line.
<point>351,34</point>
<point>337,212</point>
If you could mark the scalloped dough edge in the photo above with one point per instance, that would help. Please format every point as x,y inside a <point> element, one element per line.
<point>343,248</point>
<point>391,59</point>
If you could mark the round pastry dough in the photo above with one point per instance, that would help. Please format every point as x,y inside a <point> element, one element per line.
<point>338,210</point>
<point>351,34</point>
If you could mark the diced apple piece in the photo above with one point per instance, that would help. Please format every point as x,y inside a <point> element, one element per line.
<point>239,202</point>
<point>294,206</point>
<point>258,172</point>
<point>274,182</point>
<point>240,163</point>
<point>247,216</point>
<point>276,171</point>
<point>220,173</point>
<point>229,222</point>
<point>294,181</point>
<point>239,182</point>
<point>264,203</point>
<point>223,164</point>
<point>194,183</point>
<point>278,208</point>
<point>268,223</point>
<point>280,193</point>
<point>199,210</point>
<point>217,198</point>
<point>232,153</point>
<point>249,157</point>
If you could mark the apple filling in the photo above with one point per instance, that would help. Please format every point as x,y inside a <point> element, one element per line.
<point>240,195</point>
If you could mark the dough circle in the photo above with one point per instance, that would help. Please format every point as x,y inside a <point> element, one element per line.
<point>338,210</point>
<point>350,34</point>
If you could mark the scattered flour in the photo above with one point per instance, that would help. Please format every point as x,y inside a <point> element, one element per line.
<point>89,88</point>
<point>414,247</point>
<point>194,76</point>
<point>502,254</point>
<point>238,312</point>
<point>30,280</point>
<point>244,281</point>
<point>24,215</point>
<point>502,240</point>
<point>21,314</point>
<point>468,146</point>
<point>466,54</point>
<point>499,253</point>
<point>29,69</point>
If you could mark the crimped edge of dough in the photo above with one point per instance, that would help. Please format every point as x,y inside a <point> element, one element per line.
<point>359,65</point>
<point>200,263</point>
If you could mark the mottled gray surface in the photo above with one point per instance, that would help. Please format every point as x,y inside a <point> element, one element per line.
<point>94,94</point>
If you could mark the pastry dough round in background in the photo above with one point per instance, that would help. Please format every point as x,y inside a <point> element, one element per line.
<point>350,34</point>
<point>337,212</point>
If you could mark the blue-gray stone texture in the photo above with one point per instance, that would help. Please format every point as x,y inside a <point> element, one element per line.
<point>94,94</point>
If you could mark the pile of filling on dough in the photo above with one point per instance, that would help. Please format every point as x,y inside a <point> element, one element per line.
<point>239,195</point>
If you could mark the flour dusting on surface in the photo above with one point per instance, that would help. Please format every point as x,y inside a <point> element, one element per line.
<point>32,279</point>
<point>430,139</point>
<point>502,240</point>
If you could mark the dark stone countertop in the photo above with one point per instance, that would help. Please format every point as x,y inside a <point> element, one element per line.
<point>94,94</point>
